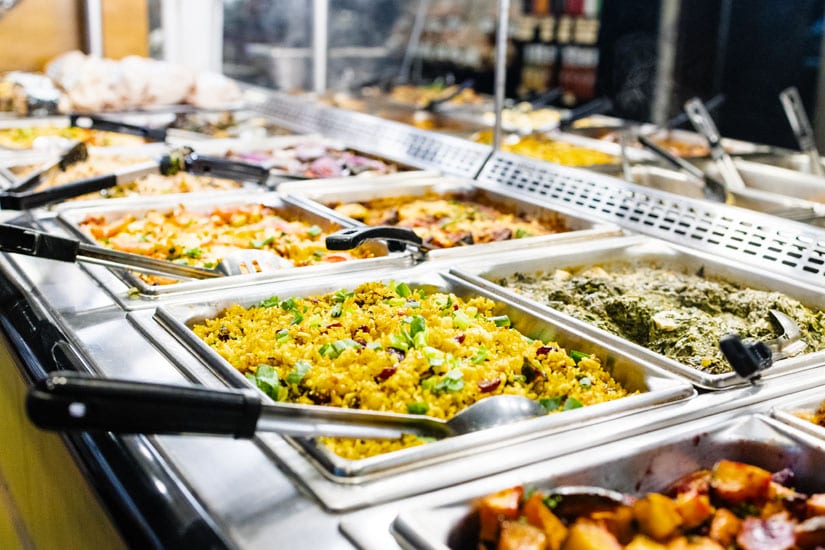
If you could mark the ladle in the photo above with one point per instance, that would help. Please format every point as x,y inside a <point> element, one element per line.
<point>71,401</point>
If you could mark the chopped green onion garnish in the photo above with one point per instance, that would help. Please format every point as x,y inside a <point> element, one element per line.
<point>403,290</point>
<point>500,321</point>
<point>297,374</point>
<point>551,403</point>
<point>282,336</point>
<point>314,231</point>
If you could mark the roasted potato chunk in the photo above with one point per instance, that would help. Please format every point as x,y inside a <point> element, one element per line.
<point>589,536</point>
<point>521,536</point>
<point>657,516</point>
<point>495,508</point>
<point>736,482</point>
<point>539,515</point>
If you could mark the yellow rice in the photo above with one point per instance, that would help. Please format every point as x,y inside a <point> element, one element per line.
<point>457,353</point>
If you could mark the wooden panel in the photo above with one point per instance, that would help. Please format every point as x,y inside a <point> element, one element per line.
<point>53,504</point>
<point>35,31</point>
<point>125,28</point>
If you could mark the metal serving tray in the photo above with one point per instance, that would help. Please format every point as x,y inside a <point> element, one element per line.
<point>809,402</point>
<point>656,387</point>
<point>220,147</point>
<point>319,193</point>
<point>666,255</point>
<point>51,146</point>
<point>117,208</point>
<point>643,464</point>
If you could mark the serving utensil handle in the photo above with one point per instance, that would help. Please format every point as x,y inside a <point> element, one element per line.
<point>69,401</point>
<point>801,126</point>
<point>347,239</point>
<point>21,240</point>
<point>702,121</point>
<point>225,168</point>
<point>97,123</point>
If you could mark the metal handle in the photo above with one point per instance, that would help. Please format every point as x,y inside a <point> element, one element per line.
<point>546,98</point>
<point>713,189</point>
<point>682,118</point>
<point>225,168</point>
<point>21,240</point>
<point>702,121</point>
<point>70,401</point>
<point>801,126</point>
<point>347,239</point>
<point>92,122</point>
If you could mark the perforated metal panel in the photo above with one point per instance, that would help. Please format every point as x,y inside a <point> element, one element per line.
<point>385,138</point>
<point>786,247</point>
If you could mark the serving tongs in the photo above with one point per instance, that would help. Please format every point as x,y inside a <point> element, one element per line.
<point>97,123</point>
<point>76,153</point>
<point>71,401</point>
<point>801,126</point>
<point>398,239</point>
<point>713,189</point>
<point>433,104</point>
<point>598,106</point>
<point>749,358</point>
<point>21,240</point>
<point>702,121</point>
<point>184,160</point>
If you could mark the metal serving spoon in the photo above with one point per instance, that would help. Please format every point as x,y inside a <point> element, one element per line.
<point>71,401</point>
<point>749,358</point>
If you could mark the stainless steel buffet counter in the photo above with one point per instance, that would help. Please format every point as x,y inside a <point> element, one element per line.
<point>183,490</point>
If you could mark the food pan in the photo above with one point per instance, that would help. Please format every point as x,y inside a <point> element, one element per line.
<point>643,464</point>
<point>787,411</point>
<point>319,194</point>
<point>118,209</point>
<point>655,386</point>
<point>280,153</point>
<point>669,256</point>
<point>54,143</point>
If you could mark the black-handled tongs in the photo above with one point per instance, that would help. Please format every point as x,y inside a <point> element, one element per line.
<point>22,240</point>
<point>97,123</point>
<point>180,161</point>
<point>398,239</point>
<point>76,153</point>
<point>74,402</point>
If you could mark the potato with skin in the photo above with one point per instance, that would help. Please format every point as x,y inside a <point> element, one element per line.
<point>696,482</point>
<point>589,536</point>
<point>736,482</point>
<point>539,515</point>
<point>492,509</point>
<point>521,536</point>
<point>657,516</point>
<point>724,527</point>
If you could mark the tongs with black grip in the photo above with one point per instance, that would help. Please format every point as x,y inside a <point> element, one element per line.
<point>67,400</point>
<point>398,238</point>
<point>168,165</point>
<point>97,123</point>
<point>76,153</point>
<point>713,189</point>
<point>702,121</point>
<point>21,240</point>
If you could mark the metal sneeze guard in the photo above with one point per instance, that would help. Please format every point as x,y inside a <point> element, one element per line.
<point>789,248</point>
